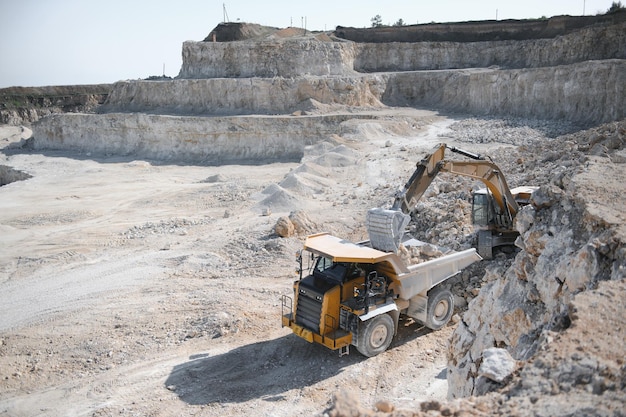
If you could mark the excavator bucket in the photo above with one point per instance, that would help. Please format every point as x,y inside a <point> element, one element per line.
<point>386,228</point>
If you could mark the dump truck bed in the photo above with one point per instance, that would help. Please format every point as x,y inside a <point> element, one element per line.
<point>426,275</point>
<point>409,280</point>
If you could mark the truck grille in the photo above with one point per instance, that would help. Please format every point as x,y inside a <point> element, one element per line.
<point>309,310</point>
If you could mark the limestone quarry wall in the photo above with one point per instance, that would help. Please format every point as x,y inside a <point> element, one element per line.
<point>588,92</point>
<point>200,140</point>
<point>593,43</point>
<point>300,57</point>
<point>224,96</point>
<point>265,59</point>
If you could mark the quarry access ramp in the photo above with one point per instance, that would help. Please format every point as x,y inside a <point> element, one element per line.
<point>265,99</point>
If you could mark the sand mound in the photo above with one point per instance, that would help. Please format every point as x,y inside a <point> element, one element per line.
<point>312,169</point>
<point>326,154</point>
<point>288,32</point>
<point>334,159</point>
<point>281,200</point>
<point>306,184</point>
<point>271,189</point>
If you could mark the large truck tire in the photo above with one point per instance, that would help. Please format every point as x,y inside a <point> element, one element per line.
<point>440,308</point>
<point>375,335</point>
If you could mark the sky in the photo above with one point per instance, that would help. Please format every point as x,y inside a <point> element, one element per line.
<point>68,42</point>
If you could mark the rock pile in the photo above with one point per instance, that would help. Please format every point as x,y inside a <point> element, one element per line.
<point>570,245</point>
<point>532,332</point>
<point>297,223</point>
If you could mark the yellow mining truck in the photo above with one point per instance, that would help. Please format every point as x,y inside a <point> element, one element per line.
<point>352,294</point>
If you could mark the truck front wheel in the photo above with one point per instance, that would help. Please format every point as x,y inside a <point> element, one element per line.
<point>440,308</point>
<point>375,335</point>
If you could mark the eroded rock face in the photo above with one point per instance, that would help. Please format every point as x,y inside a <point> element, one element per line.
<point>229,96</point>
<point>205,140</point>
<point>586,92</point>
<point>20,105</point>
<point>267,59</point>
<point>578,46</point>
<point>573,238</point>
<point>576,92</point>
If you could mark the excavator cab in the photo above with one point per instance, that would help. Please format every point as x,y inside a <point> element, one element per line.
<point>482,209</point>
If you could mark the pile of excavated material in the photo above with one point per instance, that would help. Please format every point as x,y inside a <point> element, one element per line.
<point>544,334</point>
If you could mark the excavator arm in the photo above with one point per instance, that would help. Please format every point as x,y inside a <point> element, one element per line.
<point>492,177</point>
<point>386,226</point>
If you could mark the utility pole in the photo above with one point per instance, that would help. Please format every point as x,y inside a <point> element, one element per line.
<point>225,13</point>
<point>584,7</point>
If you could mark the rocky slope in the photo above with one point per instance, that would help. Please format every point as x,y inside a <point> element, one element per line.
<point>557,309</point>
<point>572,238</point>
<point>24,105</point>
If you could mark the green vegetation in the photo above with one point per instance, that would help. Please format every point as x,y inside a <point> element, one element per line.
<point>377,21</point>
<point>615,7</point>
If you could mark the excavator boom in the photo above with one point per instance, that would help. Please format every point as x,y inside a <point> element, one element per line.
<point>491,176</point>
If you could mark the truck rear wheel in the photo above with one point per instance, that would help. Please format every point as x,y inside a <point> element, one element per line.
<point>440,308</point>
<point>375,335</point>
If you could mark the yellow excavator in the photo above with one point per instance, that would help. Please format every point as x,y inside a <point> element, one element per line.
<point>493,208</point>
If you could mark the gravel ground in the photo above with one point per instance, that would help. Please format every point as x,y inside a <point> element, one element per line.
<point>129,288</point>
